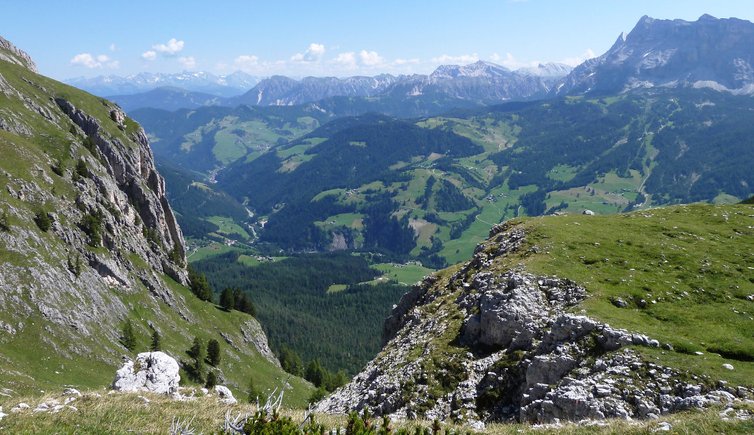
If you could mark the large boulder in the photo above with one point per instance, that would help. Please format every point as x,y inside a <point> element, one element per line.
<point>225,395</point>
<point>155,372</point>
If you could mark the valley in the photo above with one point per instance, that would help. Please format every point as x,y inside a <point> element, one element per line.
<point>478,247</point>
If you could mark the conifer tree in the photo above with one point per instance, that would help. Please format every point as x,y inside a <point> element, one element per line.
<point>213,352</point>
<point>227,299</point>
<point>195,368</point>
<point>199,285</point>
<point>211,380</point>
<point>127,336</point>
<point>156,345</point>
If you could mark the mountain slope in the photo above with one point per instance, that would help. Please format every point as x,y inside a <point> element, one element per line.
<point>642,148</point>
<point>88,241</point>
<point>710,52</point>
<point>531,329</point>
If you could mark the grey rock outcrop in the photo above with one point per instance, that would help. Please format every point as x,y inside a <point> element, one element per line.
<point>486,345</point>
<point>154,372</point>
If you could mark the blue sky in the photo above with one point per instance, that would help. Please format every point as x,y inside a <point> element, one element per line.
<point>335,37</point>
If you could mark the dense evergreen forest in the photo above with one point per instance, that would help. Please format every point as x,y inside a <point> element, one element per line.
<point>341,329</point>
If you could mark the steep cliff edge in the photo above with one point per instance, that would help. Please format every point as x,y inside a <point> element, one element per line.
<point>88,240</point>
<point>574,317</point>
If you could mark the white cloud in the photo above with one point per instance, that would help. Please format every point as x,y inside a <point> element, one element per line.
<point>346,60</point>
<point>312,54</point>
<point>91,61</point>
<point>462,59</point>
<point>171,48</point>
<point>149,55</point>
<point>370,58</point>
<point>188,62</point>
<point>113,47</point>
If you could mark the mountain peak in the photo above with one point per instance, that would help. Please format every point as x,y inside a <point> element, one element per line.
<point>709,52</point>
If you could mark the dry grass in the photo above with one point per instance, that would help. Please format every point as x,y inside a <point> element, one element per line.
<point>121,413</point>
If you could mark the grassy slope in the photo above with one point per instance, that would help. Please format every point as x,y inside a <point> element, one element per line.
<point>693,265</point>
<point>126,413</point>
<point>32,359</point>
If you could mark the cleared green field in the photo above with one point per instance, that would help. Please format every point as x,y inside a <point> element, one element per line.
<point>407,274</point>
<point>228,226</point>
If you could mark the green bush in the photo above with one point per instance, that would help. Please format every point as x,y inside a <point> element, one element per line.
<point>43,220</point>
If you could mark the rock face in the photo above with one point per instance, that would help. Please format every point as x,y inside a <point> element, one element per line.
<point>483,345</point>
<point>713,53</point>
<point>113,238</point>
<point>154,372</point>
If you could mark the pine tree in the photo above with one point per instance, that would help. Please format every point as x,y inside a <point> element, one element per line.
<point>243,303</point>
<point>195,368</point>
<point>227,299</point>
<point>291,362</point>
<point>213,353</point>
<point>211,380</point>
<point>156,345</point>
<point>315,373</point>
<point>199,285</point>
<point>127,336</point>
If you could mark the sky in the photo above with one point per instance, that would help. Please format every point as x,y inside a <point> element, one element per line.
<point>326,37</point>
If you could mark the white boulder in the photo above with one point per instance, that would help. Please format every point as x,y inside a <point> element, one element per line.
<point>224,394</point>
<point>155,372</point>
<point>1,413</point>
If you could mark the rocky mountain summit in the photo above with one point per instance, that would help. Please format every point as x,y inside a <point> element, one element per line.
<point>483,343</point>
<point>710,52</point>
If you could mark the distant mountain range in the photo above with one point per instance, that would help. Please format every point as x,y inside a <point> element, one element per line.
<point>707,53</point>
<point>473,85</point>
<point>710,52</point>
<point>223,85</point>
<point>481,82</point>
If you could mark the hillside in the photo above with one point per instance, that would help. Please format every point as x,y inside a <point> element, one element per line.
<point>89,242</point>
<point>572,317</point>
<point>643,148</point>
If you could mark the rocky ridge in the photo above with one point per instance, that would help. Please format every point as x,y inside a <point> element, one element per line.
<point>479,346</point>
